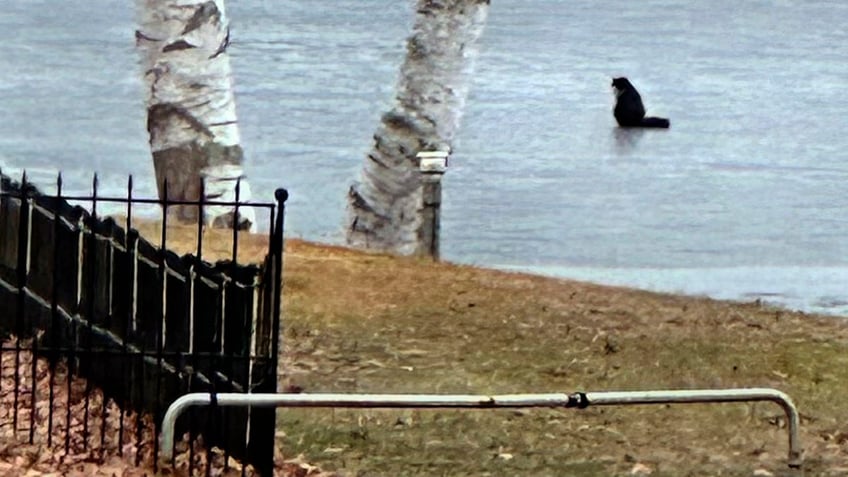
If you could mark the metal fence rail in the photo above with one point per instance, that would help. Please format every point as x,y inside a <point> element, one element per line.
<point>470,401</point>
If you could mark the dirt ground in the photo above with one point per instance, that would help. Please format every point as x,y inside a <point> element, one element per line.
<point>75,433</point>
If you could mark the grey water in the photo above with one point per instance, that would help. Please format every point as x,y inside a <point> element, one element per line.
<point>743,198</point>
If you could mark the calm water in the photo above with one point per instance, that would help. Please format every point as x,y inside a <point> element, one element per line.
<point>743,198</point>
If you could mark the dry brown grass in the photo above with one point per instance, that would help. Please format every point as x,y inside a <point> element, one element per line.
<point>358,322</point>
<point>370,323</point>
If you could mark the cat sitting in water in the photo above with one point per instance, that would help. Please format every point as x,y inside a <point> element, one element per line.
<point>629,110</point>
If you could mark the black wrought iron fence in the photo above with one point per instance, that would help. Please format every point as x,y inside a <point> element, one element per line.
<point>102,328</point>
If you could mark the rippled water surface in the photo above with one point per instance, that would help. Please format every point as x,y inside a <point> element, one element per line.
<point>743,198</point>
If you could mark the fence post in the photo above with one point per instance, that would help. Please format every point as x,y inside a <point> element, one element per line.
<point>432,165</point>
<point>277,246</point>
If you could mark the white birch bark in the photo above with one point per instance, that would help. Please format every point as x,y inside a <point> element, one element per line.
<point>384,206</point>
<point>191,113</point>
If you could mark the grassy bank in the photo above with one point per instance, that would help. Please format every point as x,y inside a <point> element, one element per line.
<point>369,323</point>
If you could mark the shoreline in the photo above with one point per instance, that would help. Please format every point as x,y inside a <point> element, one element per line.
<point>805,289</point>
<point>815,289</point>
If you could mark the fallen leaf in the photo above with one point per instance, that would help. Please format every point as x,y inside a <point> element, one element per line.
<point>641,469</point>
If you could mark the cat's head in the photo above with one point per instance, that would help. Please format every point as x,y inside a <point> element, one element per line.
<point>621,83</point>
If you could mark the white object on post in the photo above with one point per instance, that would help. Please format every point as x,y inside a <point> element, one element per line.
<point>432,165</point>
<point>433,161</point>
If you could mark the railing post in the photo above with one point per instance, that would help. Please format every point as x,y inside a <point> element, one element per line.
<point>432,165</point>
<point>281,195</point>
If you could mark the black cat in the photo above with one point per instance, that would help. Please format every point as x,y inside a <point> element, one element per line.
<point>629,110</point>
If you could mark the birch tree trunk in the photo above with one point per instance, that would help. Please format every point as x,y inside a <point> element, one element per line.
<point>191,113</point>
<point>384,206</point>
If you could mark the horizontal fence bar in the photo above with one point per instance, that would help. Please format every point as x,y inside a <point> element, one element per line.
<point>471,401</point>
<point>141,200</point>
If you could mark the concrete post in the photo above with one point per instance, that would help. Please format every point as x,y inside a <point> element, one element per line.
<point>432,165</point>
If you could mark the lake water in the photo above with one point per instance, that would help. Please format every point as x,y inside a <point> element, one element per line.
<point>743,198</point>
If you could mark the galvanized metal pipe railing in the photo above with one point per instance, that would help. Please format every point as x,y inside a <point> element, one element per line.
<point>472,401</point>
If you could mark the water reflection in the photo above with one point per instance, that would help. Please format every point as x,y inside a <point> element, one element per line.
<point>626,139</point>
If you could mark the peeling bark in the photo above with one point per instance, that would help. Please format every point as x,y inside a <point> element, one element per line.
<point>191,115</point>
<point>385,205</point>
